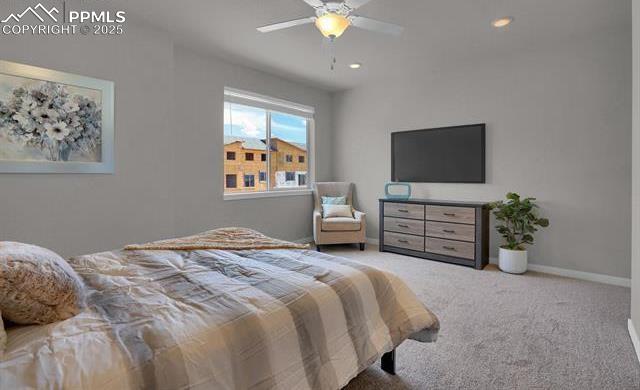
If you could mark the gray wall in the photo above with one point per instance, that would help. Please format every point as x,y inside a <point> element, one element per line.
<point>558,128</point>
<point>74,214</point>
<point>635,260</point>
<point>168,149</point>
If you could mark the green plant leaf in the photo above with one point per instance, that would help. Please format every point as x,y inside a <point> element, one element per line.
<point>544,222</point>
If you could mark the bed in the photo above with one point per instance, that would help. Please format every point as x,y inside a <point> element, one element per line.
<point>219,319</point>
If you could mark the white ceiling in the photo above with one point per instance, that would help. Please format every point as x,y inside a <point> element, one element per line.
<point>437,33</point>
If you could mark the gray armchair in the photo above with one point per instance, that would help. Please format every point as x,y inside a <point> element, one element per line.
<point>337,230</point>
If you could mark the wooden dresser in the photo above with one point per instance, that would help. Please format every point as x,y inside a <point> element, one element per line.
<point>454,232</point>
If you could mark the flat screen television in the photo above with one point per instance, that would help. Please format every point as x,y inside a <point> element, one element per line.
<point>443,155</point>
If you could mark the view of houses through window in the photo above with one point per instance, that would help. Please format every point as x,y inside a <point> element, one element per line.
<point>257,141</point>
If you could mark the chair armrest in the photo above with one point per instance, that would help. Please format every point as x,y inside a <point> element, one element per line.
<point>359,215</point>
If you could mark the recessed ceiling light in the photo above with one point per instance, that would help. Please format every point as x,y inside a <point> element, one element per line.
<point>355,65</point>
<point>502,22</point>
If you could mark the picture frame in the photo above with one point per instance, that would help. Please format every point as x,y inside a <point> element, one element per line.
<point>55,122</point>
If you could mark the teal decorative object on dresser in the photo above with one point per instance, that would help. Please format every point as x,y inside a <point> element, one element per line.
<point>389,187</point>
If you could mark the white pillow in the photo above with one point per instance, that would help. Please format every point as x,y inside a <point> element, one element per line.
<point>336,210</point>
<point>3,336</point>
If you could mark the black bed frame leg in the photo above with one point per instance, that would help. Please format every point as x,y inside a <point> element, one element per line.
<point>388,362</point>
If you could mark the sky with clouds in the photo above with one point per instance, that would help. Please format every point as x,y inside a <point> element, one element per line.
<point>245,121</point>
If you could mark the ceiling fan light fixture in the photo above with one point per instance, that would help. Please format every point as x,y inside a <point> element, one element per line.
<point>332,25</point>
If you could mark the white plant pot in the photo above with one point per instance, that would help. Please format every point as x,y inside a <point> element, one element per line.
<point>513,262</point>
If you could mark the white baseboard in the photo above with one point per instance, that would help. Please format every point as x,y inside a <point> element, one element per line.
<point>569,273</point>
<point>634,338</point>
<point>373,241</point>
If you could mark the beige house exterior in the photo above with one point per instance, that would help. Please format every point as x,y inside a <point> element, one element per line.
<point>245,164</point>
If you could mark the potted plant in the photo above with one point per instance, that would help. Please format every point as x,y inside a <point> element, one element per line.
<point>517,222</point>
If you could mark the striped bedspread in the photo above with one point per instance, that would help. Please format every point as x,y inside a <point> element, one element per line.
<point>216,319</point>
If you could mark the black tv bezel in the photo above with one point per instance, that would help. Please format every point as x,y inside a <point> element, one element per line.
<point>483,135</point>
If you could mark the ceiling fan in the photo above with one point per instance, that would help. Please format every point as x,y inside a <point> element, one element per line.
<point>334,17</point>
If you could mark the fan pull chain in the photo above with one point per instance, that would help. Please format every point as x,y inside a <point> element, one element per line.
<point>332,53</point>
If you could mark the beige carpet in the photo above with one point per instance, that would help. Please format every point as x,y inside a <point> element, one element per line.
<point>500,331</point>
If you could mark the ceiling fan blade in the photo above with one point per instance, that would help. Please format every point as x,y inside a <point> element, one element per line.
<point>376,25</point>
<point>356,3</point>
<point>314,3</point>
<point>287,24</point>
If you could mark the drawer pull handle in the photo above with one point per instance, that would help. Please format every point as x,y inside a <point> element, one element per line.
<point>450,214</point>
<point>448,231</point>
<point>449,248</point>
<point>403,211</point>
<point>403,226</point>
<point>403,241</point>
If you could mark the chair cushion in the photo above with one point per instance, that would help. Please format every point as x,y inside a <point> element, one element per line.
<point>340,224</point>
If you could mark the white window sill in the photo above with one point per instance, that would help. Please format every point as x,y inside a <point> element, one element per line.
<point>270,194</point>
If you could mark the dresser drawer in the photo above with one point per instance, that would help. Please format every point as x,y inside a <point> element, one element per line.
<point>465,250</point>
<point>401,225</point>
<point>404,210</point>
<point>451,214</point>
<point>404,241</point>
<point>454,231</point>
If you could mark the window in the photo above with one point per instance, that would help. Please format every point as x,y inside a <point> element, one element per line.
<point>275,129</point>
<point>230,181</point>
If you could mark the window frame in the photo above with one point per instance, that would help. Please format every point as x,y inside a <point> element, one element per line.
<point>230,154</point>
<point>270,105</point>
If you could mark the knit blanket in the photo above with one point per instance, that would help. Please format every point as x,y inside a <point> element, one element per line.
<point>230,238</point>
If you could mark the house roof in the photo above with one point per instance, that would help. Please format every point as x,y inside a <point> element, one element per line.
<point>247,143</point>
<point>257,143</point>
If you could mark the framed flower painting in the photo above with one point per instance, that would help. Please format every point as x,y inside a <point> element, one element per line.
<point>54,122</point>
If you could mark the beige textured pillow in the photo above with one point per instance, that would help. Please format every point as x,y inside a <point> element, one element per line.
<point>336,210</point>
<point>37,286</point>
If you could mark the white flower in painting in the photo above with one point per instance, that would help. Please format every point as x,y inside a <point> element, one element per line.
<point>29,101</point>
<point>21,118</point>
<point>70,106</point>
<point>57,130</point>
<point>46,115</point>
<point>75,122</point>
